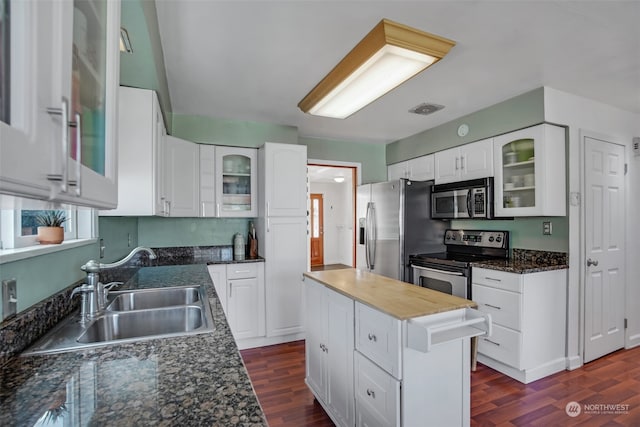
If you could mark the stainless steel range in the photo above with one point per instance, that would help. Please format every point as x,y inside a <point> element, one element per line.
<point>450,271</point>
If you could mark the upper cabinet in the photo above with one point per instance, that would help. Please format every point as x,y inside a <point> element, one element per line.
<point>58,132</point>
<point>530,172</point>
<point>418,169</point>
<point>236,172</point>
<point>142,187</point>
<point>469,161</point>
<point>182,177</point>
<point>284,180</point>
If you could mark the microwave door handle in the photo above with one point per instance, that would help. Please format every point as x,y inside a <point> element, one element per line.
<point>469,211</point>
<point>450,273</point>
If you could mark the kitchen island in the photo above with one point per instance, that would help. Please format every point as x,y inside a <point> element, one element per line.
<point>381,352</point>
<point>191,380</point>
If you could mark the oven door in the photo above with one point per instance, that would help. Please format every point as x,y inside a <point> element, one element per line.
<point>449,282</point>
<point>451,204</point>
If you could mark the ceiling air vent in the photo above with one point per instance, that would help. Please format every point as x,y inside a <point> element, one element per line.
<point>426,108</point>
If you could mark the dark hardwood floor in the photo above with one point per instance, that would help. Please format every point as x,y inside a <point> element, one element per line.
<point>277,373</point>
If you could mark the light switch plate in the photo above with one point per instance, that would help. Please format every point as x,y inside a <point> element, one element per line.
<point>9,298</point>
<point>547,228</point>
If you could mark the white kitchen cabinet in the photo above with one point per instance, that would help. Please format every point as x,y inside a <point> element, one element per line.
<point>418,169</point>
<point>469,161</point>
<point>284,171</point>
<point>240,289</point>
<point>60,143</point>
<point>207,180</point>
<point>378,336</point>
<point>329,351</point>
<point>236,182</point>
<point>377,395</point>
<point>218,274</point>
<point>282,235</point>
<point>141,169</point>
<point>529,315</point>
<point>530,172</point>
<point>182,173</point>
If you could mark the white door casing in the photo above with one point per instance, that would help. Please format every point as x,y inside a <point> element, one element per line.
<point>604,247</point>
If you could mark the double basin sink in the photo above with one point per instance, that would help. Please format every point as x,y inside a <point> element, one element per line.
<point>133,316</point>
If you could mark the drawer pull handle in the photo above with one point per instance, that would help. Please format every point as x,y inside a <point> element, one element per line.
<point>372,337</point>
<point>492,342</point>
<point>491,278</point>
<point>324,348</point>
<point>371,393</point>
<point>493,306</point>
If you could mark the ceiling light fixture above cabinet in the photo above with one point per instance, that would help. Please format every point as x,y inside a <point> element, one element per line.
<point>389,55</point>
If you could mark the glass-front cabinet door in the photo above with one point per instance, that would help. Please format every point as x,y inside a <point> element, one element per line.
<point>236,178</point>
<point>530,172</point>
<point>59,73</point>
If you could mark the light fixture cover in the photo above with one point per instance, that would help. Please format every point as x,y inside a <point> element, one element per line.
<point>338,179</point>
<point>389,55</point>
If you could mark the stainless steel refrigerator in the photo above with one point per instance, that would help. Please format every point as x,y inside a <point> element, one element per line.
<point>394,221</point>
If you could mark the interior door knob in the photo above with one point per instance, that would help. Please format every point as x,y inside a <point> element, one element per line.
<point>591,262</point>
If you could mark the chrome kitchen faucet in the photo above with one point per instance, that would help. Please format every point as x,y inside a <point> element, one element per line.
<point>94,293</point>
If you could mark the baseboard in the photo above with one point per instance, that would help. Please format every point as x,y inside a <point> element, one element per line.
<point>632,341</point>
<point>246,343</point>
<point>526,376</point>
<point>574,362</point>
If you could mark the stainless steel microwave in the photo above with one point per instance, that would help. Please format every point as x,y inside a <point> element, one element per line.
<point>465,199</point>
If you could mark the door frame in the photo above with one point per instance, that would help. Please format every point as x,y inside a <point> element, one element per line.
<point>319,196</point>
<point>356,175</point>
<point>583,234</point>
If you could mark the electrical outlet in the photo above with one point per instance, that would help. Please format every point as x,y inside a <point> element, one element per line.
<point>547,228</point>
<point>9,298</point>
<point>102,248</point>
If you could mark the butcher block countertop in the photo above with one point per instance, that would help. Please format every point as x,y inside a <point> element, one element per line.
<point>398,299</point>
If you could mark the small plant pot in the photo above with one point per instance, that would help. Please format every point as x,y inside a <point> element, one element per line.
<point>50,235</point>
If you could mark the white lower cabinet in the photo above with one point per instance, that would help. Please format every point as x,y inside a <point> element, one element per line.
<point>329,351</point>
<point>240,288</point>
<point>377,395</point>
<point>529,315</point>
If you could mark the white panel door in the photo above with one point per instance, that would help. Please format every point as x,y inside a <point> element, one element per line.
<point>242,311</point>
<point>476,160</point>
<point>397,171</point>
<point>604,248</point>
<point>314,339</point>
<point>286,179</point>
<point>447,166</point>
<point>183,171</point>
<point>207,180</point>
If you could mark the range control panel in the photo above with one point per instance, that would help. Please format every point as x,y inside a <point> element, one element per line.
<point>477,238</point>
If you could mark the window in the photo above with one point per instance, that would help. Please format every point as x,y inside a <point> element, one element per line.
<point>4,61</point>
<point>19,225</point>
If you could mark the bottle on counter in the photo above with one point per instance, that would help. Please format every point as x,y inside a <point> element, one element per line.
<point>238,247</point>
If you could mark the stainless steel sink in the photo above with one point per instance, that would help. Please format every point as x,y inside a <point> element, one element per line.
<point>133,316</point>
<point>153,298</point>
<point>143,323</point>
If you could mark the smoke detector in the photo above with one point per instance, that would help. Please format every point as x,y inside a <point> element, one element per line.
<point>426,108</point>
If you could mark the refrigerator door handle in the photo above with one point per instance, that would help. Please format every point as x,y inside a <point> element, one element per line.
<point>372,236</point>
<point>366,236</point>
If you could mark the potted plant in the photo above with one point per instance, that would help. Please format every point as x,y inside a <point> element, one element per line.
<point>50,230</point>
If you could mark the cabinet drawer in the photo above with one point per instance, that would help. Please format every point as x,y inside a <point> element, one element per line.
<point>242,270</point>
<point>503,345</point>
<point>497,279</point>
<point>377,394</point>
<point>505,307</point>
<point>378,337</point>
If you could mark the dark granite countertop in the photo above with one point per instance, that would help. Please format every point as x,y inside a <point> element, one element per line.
<point>193,380</point>
<point>517,266</point>
<point>525,261</point>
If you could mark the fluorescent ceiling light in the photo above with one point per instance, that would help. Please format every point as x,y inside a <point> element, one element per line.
<point>389,55</point>
<point>338,178</point>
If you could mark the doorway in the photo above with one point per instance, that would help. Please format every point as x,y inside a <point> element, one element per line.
<point>332,188</point>
<point>604,247</point>
<point>317,225</point>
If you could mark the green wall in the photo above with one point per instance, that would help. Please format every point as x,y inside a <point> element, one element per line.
<point>526,233</point>
<point>144,68</point>
<point>372,157</point>
<point>42,276</point>
<point>236,133</point>
<point>515,113</point>
<point>166,232</point>
<point>119,236</point>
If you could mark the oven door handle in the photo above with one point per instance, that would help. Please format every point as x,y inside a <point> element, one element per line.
<point>450,273</point>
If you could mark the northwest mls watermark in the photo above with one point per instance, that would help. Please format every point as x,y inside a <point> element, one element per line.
<point>573,409</point>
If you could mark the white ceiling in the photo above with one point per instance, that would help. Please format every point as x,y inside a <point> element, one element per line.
<point>255,60</point>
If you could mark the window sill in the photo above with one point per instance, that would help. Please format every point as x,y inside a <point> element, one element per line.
<point>10,255</point>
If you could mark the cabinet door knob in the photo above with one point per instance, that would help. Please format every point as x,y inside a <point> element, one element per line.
<point>371,393</point>
<point>591,262</point>
<point>372,337</point>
